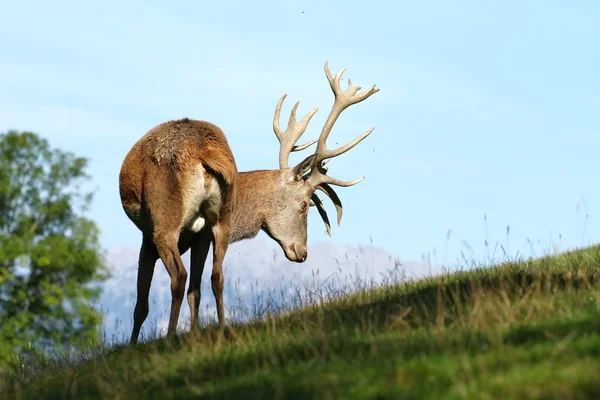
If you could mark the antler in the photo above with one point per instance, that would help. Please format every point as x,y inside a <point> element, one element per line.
<point>343,99</point>
<point>318,177</point>
<point>288,139</point>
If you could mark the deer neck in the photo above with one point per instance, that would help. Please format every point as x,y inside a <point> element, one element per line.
<point>255,193</point>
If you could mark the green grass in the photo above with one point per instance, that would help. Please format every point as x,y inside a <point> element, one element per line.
<point>516,331</point>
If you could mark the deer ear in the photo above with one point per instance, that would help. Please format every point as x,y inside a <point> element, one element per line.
<point>303,167</point>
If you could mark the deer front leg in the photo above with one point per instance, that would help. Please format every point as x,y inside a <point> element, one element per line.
<point>199,250</point>
<point>220,244</point>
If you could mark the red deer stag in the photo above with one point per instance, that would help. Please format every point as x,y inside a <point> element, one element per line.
<point>180,186</point>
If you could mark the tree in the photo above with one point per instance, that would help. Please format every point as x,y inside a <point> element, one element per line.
<point>50,257</point>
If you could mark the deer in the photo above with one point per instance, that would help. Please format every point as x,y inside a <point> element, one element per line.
<point>180,186</point>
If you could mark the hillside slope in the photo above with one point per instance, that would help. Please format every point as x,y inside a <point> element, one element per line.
<point>517,331</point>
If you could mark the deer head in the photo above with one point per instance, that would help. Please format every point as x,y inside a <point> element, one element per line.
<point>297,186</point>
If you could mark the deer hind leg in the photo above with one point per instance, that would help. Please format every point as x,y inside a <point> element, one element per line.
<point>147,261</point>
<point>199,251</point>
<point>220,244</point>
<point>168,250</point>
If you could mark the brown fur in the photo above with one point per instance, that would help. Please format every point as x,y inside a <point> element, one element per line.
<point>256,193</point>
<point>169,149</point>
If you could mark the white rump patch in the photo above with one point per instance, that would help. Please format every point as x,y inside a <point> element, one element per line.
<point>198,225</point>
<point>195,194</point>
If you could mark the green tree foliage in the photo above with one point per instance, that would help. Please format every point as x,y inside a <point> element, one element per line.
<point>50,257</point>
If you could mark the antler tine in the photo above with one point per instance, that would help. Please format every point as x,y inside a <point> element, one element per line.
<point>317,202</point>
<point>328,190</point>
<point>343,99</point>
<point>276,127</point>
<point>328,154</point>
<point>288,139</point>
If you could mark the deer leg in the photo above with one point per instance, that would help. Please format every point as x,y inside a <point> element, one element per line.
<point>168,250</point>
<point>147,261</point>
<point>220,244</point>
<point>199,251</point>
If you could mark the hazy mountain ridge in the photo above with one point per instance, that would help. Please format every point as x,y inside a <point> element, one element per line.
<point>254,271</point>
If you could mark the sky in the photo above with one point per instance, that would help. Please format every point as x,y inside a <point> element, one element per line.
<point>487,118</point>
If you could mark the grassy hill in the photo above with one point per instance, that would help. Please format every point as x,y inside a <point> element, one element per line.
<point>517,331</point>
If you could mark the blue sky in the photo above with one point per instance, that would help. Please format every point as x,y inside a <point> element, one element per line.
<point>485,108</point>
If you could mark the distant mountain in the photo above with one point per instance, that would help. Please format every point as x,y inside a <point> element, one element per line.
<point>256,274</point>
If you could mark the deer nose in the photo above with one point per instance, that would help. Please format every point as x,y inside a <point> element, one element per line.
<point>299,252</point>
<point>302,255</point>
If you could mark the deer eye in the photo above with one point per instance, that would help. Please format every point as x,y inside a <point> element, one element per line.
<point>304,206</point>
